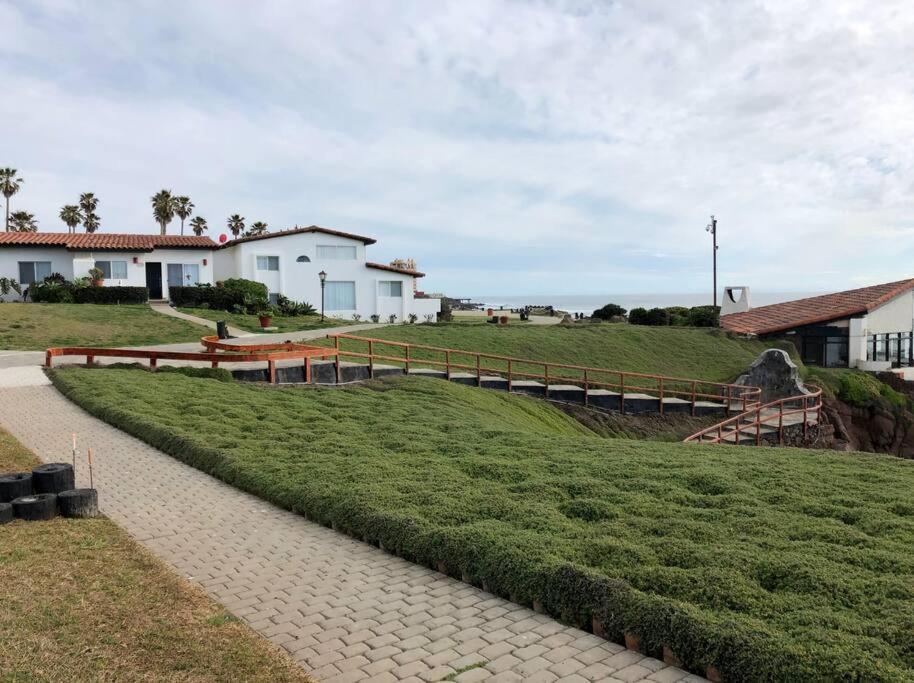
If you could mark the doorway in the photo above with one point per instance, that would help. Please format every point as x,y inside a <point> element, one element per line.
<point>154,280</point>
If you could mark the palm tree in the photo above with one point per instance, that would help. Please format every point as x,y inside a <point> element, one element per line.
<point>88,203</point>
<point>163,208</point>
<point>198,225</point>
<point>236,224</point>
<point>71,215</point>
<point>91,222</point>
<point>258,228</point>
<point>23,221</point>
<point>9,185</point>
<point>183,208</point>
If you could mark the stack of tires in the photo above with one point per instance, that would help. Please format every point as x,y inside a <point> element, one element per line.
<point>43,493</point>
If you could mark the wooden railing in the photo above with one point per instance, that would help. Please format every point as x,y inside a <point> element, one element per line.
<point>227,353</point>
<point>776,414</point>
<point>515,369</point>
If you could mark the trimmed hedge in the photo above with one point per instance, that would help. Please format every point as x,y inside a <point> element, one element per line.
<point>56,292</point>
<point>236,295</point>
<point>361,494</point>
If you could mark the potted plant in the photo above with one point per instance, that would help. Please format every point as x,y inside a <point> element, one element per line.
<point>97,276</point>
<point>266,317</point>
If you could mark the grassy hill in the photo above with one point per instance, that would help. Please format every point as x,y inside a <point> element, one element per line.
<point>38,326</point>
<point>686,352</point>
<point>771,564</point>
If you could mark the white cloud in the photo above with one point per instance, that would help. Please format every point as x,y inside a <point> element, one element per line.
<point>581,142</point>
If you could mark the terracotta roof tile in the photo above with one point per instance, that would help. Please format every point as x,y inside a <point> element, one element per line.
<point>108,241</point>
<point>817,309</point>
<point>394,269</point>
<point>298,231</point>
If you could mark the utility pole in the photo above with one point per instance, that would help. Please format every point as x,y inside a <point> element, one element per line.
<point>712,228</point>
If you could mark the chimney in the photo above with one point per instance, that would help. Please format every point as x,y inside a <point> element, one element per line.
<point>736,300</point>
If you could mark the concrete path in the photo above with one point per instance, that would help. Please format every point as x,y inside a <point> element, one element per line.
<point>345,610</point>
<point>165,309</point>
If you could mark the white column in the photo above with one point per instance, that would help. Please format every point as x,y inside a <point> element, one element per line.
<point>856,343</point>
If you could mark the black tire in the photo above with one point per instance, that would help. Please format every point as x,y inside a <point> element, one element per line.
<point>37,507</point>
<point>6,513</point>
<point>78,503</point>
<point>53,477</point>
<point>15,485</point>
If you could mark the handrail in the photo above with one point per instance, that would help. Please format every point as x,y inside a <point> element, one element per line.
<point>231,353</point>
<point>692,390</point>
<point>719,433</point>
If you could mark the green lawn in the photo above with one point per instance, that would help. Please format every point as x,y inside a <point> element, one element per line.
<point>37,326</point>
<point>772,564</point>
<point>283,323</point>
<point>82,601</point>
<point>674,351</point>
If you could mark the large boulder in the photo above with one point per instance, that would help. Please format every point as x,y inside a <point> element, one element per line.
<point>775,374</point>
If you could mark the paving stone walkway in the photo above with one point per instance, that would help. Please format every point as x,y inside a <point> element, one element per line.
<point>345,610</point>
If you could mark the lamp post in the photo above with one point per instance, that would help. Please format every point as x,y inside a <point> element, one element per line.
<point>712,228</point>
<point>323,276</point>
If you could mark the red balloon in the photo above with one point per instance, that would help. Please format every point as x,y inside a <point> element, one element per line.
<point>223,237</point>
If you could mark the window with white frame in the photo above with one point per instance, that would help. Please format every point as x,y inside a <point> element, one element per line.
<point>268,263</point>
<point>33,271</point>
<point>112,270</point>
<point>390,288</point>
<point>339,296</point>
<point>183,274</point>
<point>335,252</point>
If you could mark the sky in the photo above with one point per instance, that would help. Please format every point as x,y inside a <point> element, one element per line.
<point>509,147</point>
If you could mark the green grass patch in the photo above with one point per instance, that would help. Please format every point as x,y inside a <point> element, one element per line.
<point>37,326</point>
<point>772,564</point>
<point>857,388</point>
<point>693,353</point>
<point>283,323</point>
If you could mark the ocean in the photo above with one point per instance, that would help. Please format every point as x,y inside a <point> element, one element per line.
<point>588,303</point>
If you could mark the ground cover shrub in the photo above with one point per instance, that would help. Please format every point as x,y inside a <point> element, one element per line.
<point>234,294</point>
<point>858,388</point>
<point>770,564</point>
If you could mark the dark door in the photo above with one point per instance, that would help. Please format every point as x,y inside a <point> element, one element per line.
<point>154,280</point>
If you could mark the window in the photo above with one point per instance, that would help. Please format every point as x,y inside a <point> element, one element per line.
<point>33,271</point>
<point>113,270</point>
<point>183,274</point>
<point>339,296</point>
<point>267,263</point>
<point>390,288</point>
<point>326,251</point>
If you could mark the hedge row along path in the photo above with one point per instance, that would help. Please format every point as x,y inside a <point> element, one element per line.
<point>345,610</point>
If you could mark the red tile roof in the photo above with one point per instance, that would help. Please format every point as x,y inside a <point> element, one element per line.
<point>299,231</point>
<point>817,309</point>
<point>394,269</point>
<point>101,241</point>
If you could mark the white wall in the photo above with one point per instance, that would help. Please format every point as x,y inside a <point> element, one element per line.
<point>61,262</point>
<point>299,280</point>
<point>896,315</point>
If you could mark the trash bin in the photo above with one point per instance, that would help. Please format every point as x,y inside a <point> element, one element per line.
<point>222,329</point>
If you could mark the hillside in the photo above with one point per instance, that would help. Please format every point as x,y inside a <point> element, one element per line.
<point>786,565</point>
<point>675,351</point>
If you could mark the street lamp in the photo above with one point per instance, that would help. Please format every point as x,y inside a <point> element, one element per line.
<point>323,276</point>
<point>712,228</point>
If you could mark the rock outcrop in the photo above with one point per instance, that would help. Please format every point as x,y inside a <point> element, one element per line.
<point>775,374</point>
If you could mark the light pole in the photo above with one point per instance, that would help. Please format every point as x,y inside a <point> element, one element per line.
<point>712,228</point>
<point>323,276</point>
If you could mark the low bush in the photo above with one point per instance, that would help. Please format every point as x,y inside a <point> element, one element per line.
<point>678,316</point>
<point>56,290</point>
<point>286,306</point>
<point>235,295</point>
<point>702,550</point>
<point>608,312</point>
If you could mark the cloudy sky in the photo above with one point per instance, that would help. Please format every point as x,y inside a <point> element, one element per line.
<point>509,147</point>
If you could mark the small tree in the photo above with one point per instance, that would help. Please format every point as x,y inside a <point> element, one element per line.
<point>235,224</point>
<point>198,225</point>
<point>163,209</point>
<point>91,222</point>
<point>258,228</point>
<point>71,216</point>
<point>9,185</point>
<point>183,208</point>
<point>87,204</point>
<point>23,221</point>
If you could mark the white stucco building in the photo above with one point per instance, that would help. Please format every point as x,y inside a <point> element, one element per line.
<point>287,262</point>
<point>871,328</point>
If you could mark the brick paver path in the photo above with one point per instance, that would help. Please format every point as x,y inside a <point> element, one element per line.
<point>345,610</point>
